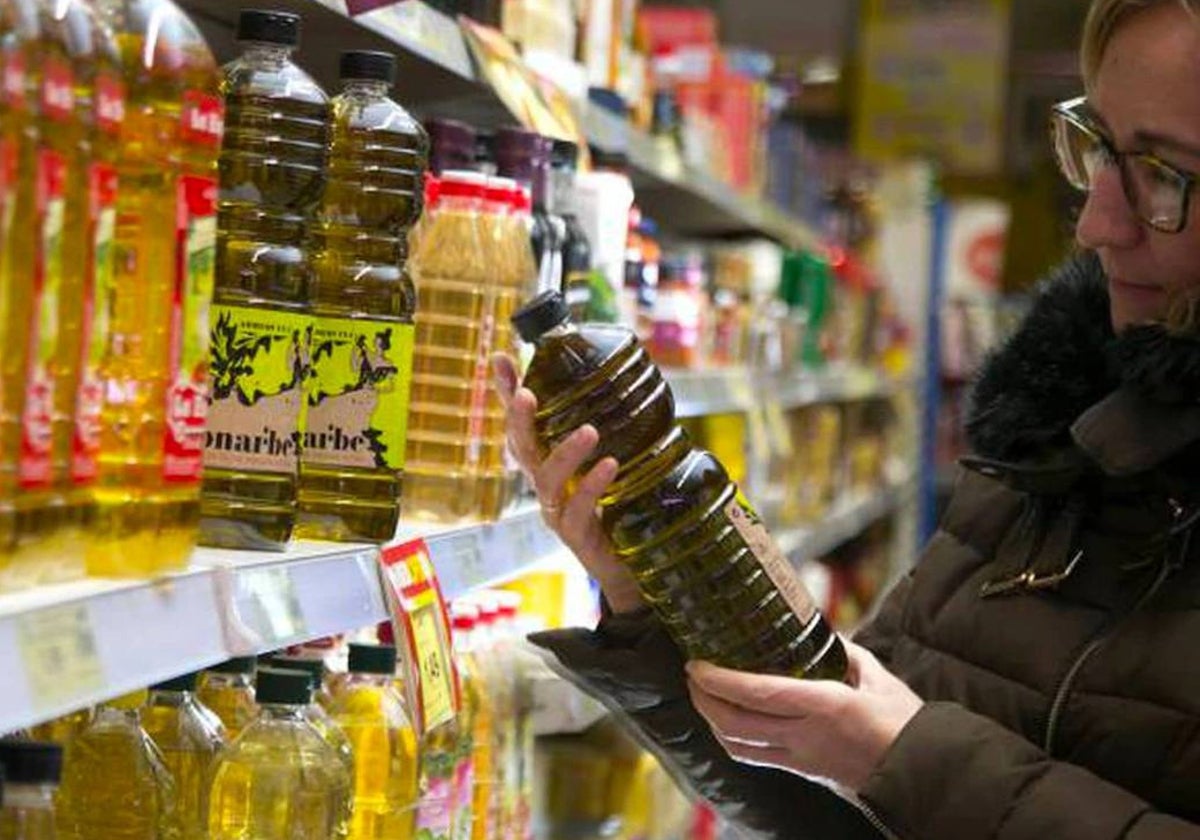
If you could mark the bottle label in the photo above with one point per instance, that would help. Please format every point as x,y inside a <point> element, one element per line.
<point>36,420</point>
<point>435,810</point>
<point>772,560</point>
<point>464,789</point>
<point>110,103</point>
<point>257,373</point>
<point>15,79</point>
<point>480,382</point>
<point>98,292</point>
<point>202,119</point>
<point>58,90</point>
<point>187,390</point>
<point>358,393</point>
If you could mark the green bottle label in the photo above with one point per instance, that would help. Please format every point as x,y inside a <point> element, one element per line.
<point>358,394</point>
<point>257,366</point>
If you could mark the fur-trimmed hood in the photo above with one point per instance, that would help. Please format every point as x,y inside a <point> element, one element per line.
<point>1065,362</point>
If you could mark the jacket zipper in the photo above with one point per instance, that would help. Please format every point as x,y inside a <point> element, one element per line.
<point>1068,680</point>
<point>874,820</point>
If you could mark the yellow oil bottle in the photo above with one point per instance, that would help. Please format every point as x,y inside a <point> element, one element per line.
<point>352,463</point>
<point>315,711</point>
<point>136,800</point>
<point>272,175</point>
<point>62,729</point>
<point>20,45</point>
<point>372,714</point>
<point>227,690</point>
<point>31,771</point>
<point>279,780</point>
<point>473,748</point>
<point>190,738</point>
<point>151,428</point>
<point>699,552</point>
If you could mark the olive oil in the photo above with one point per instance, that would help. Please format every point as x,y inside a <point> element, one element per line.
<point>699,552</point>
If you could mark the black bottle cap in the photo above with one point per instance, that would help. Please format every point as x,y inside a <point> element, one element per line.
<point>368,65</point>
<point>30,762</point>
<point>315,668</point>
<point>564,154</point>
<point>184,682</point>
<point>275,685</point>
<point>540,315</point>
<point>269,27</point>
<point>372,659</point>
<point>237,665</point>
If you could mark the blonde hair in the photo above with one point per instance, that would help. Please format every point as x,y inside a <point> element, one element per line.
<point>1183,312</point>
<point>1103,19</point>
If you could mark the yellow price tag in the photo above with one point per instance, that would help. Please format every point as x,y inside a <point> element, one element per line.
<point>59,651</point>
<point>437,688</point>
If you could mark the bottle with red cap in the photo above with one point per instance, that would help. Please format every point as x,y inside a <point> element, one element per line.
<point>473,753</point>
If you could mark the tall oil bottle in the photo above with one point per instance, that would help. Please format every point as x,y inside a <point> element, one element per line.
<point>152,370</point>
<point>352,464</point>
<point>272,175</point>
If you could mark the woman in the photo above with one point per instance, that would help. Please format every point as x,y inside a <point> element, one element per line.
<point>1034,676</point>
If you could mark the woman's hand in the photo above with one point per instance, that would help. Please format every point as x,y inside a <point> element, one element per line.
<point>817,728</point>
<point>572,516</point>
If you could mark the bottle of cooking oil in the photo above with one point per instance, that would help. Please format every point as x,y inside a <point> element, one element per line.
<point>136,797</point>
<point>472,750</point>
<point>61,729</point>
<point>189,737</point>
<point>30,771</point>
<point>272,174</point>
<point>227,689</point>
<point>314,711</point>
<point>152,317</point>
<point>279,780</point>
<point>20,44</point>
<point>363,301</point>
<point>491,774</point>
<point>700,554</point>
<point>372,714</point>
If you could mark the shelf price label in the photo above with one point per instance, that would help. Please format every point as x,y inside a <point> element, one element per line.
<point>58,647</point>
<point>419,616</point>
<point>268,604</point>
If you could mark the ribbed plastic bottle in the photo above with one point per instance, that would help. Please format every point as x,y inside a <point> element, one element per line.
<point>152,309</point>
<point>30,771</point>
<point>227,690</point>
<point>700,554</point>
<point>372,714</point>
<point>279,780</point>
<point>20,45</point>
<point>352,465</point>
<point>314,711</point>
<point>189,737</point>
<point>272,175</point>
<point>137,799</point>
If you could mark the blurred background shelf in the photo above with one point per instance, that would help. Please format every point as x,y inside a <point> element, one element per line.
<point>738,390</point>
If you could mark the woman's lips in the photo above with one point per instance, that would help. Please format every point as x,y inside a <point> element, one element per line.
<point>1138,291</point>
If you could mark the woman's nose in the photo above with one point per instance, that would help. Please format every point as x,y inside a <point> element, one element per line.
<point>1108,220</point>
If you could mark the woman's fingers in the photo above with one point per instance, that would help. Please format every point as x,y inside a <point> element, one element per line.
<point>579,511</point>
<point>564,461</point>
<point>522,408</point>
<point>504,373</point>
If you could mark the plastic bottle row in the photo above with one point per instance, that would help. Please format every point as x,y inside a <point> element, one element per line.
<point>284,748</point>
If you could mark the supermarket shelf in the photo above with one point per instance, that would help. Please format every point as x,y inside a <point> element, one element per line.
<point>738,390</point>
<point>69,645</point>
<point>848,518</point>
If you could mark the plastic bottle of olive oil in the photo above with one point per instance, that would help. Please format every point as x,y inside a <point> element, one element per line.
<point>363,302</point>
<point>700,555</point>
<point>272,173</point>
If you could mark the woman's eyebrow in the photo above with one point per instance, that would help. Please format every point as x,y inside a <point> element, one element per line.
<point>1163,141</point>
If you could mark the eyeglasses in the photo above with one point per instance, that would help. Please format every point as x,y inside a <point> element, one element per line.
<point>1157,191</point>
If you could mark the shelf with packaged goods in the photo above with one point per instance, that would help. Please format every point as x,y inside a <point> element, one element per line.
<point>737,390</point>
<point>847,518</point>
<point>64,646</point>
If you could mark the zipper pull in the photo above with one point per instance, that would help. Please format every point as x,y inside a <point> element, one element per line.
<point>1030,580</point>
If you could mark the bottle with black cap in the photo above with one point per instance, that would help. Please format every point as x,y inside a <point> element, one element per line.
<point>189,737</point>
<point>30,771</point>
<point>227,689</point>
<point>352,462</point>
<point>272,178</point>
<point>280,780</point>
<point>372,713</point>
<point>316,711</point>
<point>696,547</point>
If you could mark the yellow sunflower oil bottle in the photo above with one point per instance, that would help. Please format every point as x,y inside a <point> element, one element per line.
<point>152,370</point>
<point>20,44</point>
<point>31,771</point>
<point>352,462</point>
<point>316,712</point>
<point>472,751</point>
<point>135,797</point>
<point>279,780</point>
<point>190,738</point>
<point>227,690</point>
<point>62,729</point>
<point>699,552</point>
<point>272,175</point>
<point>81,109</point>
<point>372,714</point>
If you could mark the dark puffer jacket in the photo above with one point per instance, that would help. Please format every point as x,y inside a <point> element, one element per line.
<point>1051,625</point>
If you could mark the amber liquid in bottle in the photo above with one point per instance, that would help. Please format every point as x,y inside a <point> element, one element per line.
<point>699,553</point>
